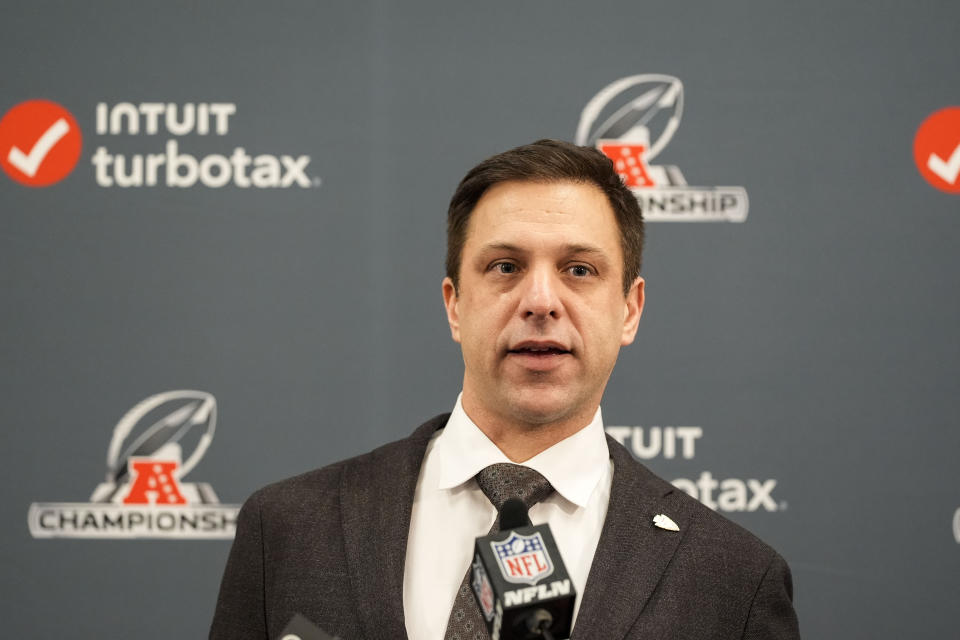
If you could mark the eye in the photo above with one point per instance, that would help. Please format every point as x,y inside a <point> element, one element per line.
<point>579,270</point>
<point>505,267</point>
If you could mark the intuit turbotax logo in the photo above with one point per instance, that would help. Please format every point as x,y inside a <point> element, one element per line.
<point>723,494</point>
<point>183,146</point>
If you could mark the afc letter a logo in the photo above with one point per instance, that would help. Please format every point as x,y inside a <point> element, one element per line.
<point>154,482</point>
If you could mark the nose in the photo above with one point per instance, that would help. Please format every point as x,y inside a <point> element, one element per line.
<point>540,296</point>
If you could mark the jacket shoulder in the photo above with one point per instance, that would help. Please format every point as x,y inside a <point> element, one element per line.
<point>741,584</point>
<point>721,532</point>
<point>290,553</point>
<point>304,491</point>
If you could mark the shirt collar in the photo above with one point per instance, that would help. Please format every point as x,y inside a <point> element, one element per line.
<point>573,466</point>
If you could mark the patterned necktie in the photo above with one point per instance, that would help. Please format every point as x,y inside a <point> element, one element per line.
<point>499,483</point>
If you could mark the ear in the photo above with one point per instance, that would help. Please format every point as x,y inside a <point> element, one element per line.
<point>633,309</point>
<point>450,302</point>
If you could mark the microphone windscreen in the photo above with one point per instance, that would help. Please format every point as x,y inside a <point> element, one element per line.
<point>513,514</point>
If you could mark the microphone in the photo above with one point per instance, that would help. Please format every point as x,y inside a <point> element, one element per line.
<point>520,581</point>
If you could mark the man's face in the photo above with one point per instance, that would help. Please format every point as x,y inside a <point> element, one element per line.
<point>540,313</point>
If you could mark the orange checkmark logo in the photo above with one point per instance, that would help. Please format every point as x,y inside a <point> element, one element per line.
<point>40,143</point>
<point>936,149</point>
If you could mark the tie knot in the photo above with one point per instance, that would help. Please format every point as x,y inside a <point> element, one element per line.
<point>500,482</point>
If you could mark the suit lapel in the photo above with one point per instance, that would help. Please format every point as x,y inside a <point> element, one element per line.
<point>376,494</point>
<point>632,553</point>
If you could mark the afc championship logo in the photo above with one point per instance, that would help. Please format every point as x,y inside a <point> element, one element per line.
<point>631,121</point>
<point>143,495</point>
<point>523,559</point>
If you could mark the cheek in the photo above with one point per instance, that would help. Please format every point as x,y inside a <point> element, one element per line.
<point>605,332</point>
<point>482,326</point>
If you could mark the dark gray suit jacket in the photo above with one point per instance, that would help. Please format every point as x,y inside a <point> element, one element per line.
<point>330,544</point>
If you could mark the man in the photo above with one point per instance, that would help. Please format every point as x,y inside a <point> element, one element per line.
<point>542,290</point>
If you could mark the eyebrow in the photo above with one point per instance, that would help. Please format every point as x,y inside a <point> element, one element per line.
<point>569,248</point>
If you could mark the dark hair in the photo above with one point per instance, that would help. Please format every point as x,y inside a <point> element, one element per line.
<point>547,161</point>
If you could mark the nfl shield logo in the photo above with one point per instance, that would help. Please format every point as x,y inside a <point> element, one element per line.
<point>482,589</point>
<point>523,559</point>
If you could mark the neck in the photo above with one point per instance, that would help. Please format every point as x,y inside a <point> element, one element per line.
<point>519,439</point>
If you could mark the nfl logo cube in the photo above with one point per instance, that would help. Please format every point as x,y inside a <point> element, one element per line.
<point>523,559</point>
<point>524,572</point>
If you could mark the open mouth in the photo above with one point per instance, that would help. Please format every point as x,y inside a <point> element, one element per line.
<point>539,357</point>
<point>542,351</point>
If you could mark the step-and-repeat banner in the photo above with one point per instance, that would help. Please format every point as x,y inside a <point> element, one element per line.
<point>223,240</point>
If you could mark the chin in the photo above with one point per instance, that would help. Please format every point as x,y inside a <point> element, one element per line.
<point>543,406</point>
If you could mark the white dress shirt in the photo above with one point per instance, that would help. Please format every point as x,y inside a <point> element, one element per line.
<point>450,511</point>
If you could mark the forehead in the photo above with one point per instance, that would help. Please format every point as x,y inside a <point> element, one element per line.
<point>530,211</point>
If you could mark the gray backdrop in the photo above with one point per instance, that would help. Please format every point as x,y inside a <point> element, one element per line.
<point>815,344</point>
